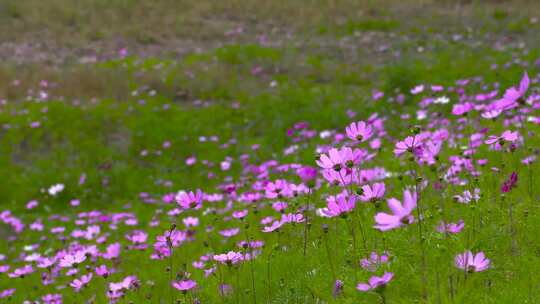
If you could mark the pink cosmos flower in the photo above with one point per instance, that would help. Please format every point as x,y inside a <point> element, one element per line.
<point>509,183</point>
<point>507,135</point>
<point>462,108</point>
<point>409,144</point>
<point>338,205</point>
<point>52,298</point>
<point>74,259</point>
<point>191,221</point>
<point>401,213</point>
<point>229,232</point>
<point>359,131</point>
<point>102,271</point>
<point>7,293</point>
<point>306,173</point>
<point>452,228</point>
<point>229,258</point>
<point>77,284</point>
<point>375,282</point>
<point>32,204</point>
<point>278,188</point>
<point>491,114</point>
<point>344,157</point>
<point>467,196</point>
<point>188,200</point>
<point>240,214</point>
<point>372,193</point>
<point>472,263</point>
<point>112,251</point>
<point>512,95</point>
<point>184,285</point>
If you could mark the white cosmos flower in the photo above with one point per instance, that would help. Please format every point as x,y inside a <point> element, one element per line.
<point>55,189</point>
<point>442,100</point>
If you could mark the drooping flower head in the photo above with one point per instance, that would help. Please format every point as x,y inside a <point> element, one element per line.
<point>510,183</point>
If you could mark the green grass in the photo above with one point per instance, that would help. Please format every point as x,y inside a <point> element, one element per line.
<point>314,77</point>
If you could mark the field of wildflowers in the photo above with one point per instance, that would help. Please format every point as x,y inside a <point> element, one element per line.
<point>379,159</point>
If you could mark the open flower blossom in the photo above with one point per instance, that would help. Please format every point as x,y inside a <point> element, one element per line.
<point>468,197</point>
<point>338,205</point>
<point>184,285</point>
<point>55,189</point>
<point>512,96</point>
<point>410,144</point>
<point>346,157</point>
<point>359,131</point>
<point>452,228</point>
<point>507,135</point>
<point>401,214</point>
<point>372,193</point>
<point>7,293</point>
<point>189,200</point>
<point>77,284</point>
<point>229,258</point>
<point>375,282</point>
<point>70,260</point>
<point>472,263</point>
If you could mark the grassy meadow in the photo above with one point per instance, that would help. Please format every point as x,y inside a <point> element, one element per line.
<point>182,151</point>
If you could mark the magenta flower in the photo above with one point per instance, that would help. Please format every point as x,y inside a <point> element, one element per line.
<point>359,131</point>
<point>240,214</point>
<point>52,299</point>
<point>127,283</point>
<point>74,259</point>
<point>507,135</point>
<point>462,108</point>
<point>102,271</point>
<point>229,232</point>
<point>372,193</point>
<point>307,173</point>
<point>452,228</point>
<point>514,94</point>
<point>509,183</point>
<point>374,260</point>
<point>344,157</point>
<point>7,293</point>
<point>184,285</point>
<point>338,288</point>
<point>472,263</point>
<point>21,272</point>
<point>375,282</point>
<point>401,213</point>
<point>229,258</point>
<point>77,284</point>
<point>409,144</point>
<point>188,200</point>
<point>338,205</point>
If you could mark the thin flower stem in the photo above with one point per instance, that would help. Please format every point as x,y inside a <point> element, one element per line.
<point>306,220</point>
<point>329,258</point>
<point>355,256</point>
<point>420,235</point>
<point>251,265</point>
